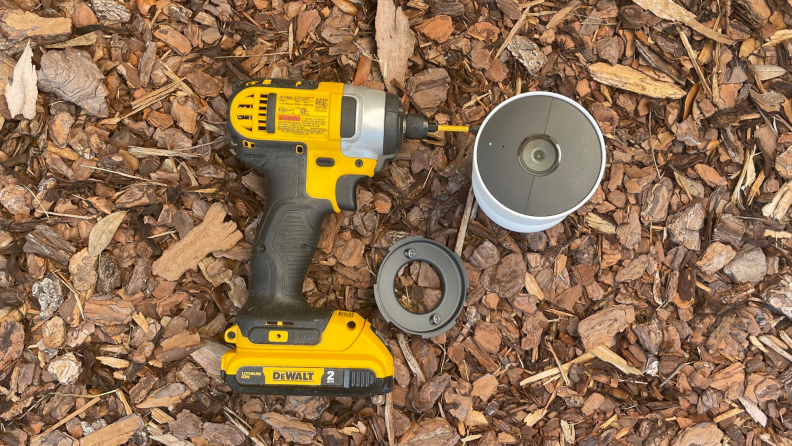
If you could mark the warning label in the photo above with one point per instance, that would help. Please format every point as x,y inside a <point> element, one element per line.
<point>303,115</point>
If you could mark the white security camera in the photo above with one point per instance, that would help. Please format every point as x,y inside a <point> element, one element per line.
<point>538,157</point>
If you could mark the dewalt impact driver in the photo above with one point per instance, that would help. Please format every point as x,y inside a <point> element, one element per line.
<point>314,141</point>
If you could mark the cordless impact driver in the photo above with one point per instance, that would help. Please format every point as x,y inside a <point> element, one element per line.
<point>314,141</point>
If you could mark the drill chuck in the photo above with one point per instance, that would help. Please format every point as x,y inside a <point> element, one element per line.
<point>417,126</point>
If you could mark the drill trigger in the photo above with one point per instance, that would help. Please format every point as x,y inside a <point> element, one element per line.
<point>346,191</point>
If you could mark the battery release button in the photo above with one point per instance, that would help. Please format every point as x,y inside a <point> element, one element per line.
<point>278,336</point>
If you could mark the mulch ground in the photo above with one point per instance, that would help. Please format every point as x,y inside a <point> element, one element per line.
<point>657,314</point>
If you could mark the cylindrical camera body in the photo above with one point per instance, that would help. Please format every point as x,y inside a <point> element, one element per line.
<point>538,157</point>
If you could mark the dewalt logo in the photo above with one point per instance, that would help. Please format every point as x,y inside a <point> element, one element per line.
<point>308,376</point>
<point>286,375</point>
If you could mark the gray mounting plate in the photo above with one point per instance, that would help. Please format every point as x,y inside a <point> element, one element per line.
<point>455,284</point>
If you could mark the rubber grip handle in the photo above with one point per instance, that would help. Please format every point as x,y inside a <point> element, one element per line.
<point>286,237</point>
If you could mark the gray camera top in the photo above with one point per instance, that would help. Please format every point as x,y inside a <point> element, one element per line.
<point>539,196</point>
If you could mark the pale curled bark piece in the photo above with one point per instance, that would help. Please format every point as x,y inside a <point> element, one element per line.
<point>115,434</point>
<point>395,43</point>
<point>604,353</point>
<point>20,25</point>
<point>411,361</point>
<point>211,235</point>
<point>290,428</point>
<point>600,327</point>
<point>668,10</point>
<point>166,396</point>
<point>754,411</point>
<point>600,224</point>
<point>701,434</point>
<point>779,206</point>
<point>346,6</point>
<point>779,36</point>
<point>82,40</point>
<point>779,295</point>
<point>22,92</point>
<point>626,78</point>
<point>585,357</point>
<point>561,14</point>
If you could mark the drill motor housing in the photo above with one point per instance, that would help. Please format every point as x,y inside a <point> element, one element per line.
<point>314,141</point>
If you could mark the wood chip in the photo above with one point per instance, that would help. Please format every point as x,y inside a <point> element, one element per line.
<point>600,327</point>
<point>748,265</point>
<point>21,25</point>
<point>585,357</point>
<point>82,267</point>
<point>211,235</point>
<point>428,89</point>
<point>605,354</point>
<point>754,411</point>
<point>438,28</point>
<point>47,242</point>
<point>684,226</point>
<point>484,387</point>
<point>716,257</point>
<point>74,77</point>
<point>12,336</point>
<point>108,311</point>
<point>702,434</point>
<point>290,428</point>
<point>66,368</point>
<point>395,42</point>
<point>668,10</point>
<point>174,39</point>
<point>434,431</point>
<point>115,434</point>
<point>208,356</point>
<point>110,11</point>
<point>626,78</point>
<point>167,396</point>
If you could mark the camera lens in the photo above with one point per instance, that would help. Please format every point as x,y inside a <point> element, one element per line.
<point>539,154</point>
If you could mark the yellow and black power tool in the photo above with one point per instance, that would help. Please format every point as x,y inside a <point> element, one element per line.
<point>314,141</point>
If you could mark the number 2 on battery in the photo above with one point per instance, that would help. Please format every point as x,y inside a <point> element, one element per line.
<point>330,376</point>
